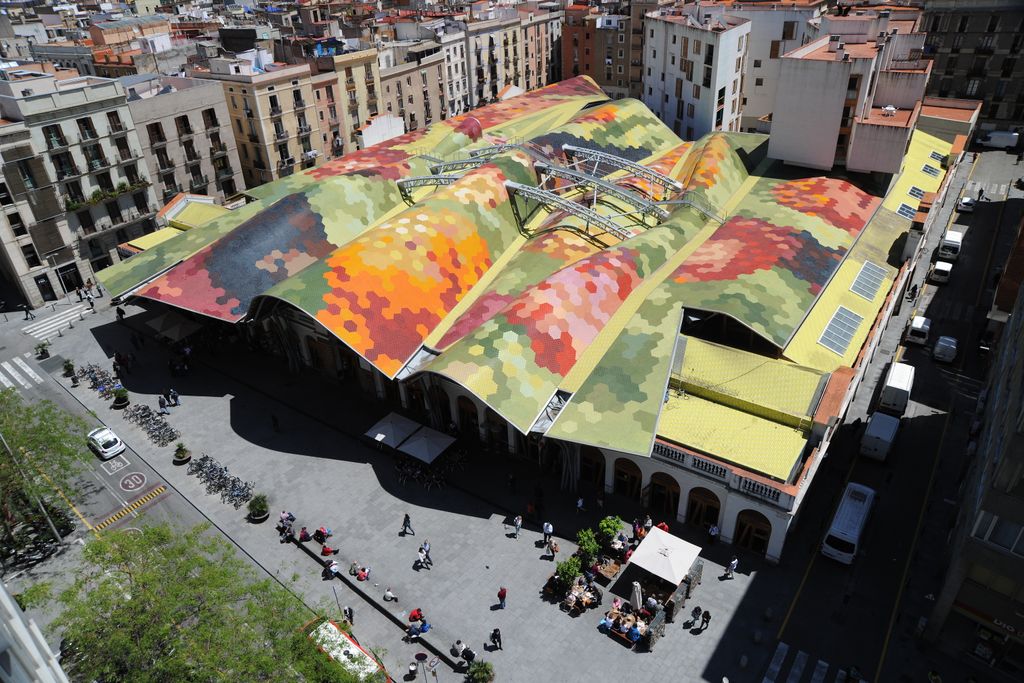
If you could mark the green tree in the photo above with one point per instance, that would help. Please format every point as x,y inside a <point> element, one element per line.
<point>42,449</point>
<point>586,539</point>
<point>170,605</point>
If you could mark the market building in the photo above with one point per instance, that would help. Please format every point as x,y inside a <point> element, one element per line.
<point>560,276</point>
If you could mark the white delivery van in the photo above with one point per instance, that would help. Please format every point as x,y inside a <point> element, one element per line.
<point>846,532</point>
<point>949,247</point>
<point>879,436</point>
<point>1000,139</point>
<point>918,331</point>
<point>941,272</point>
<point>899,382</point>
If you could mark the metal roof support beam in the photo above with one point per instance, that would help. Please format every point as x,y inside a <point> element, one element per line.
<point>407,184</point>
<point>457,165</point>
<point>634,200</point>
<point>552,200</point>
<point>599,157</point>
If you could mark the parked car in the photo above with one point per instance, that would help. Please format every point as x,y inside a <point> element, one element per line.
<point>918,331</point>
<point>105,443</point>
<point>945,349</point>
<point>966,205</point>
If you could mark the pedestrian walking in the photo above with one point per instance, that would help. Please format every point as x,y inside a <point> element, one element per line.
<point>162,402</point>
<point>92,303</point>
<point>733,563</point>
<point>695,614</point>
<point>713,534</point>
<point>173,397</point>
<point>349,615</point>
<point>426,552</point>
<point>502,594</point>
<point>406,526</point>
<point>553,548</point>
<point>421,559</point>
<point>29,315</point>
<point>496,639</point>
<point>389,596</point>
<point>118,310</point>
<point>88,286</point>
<point>548,530</point>
<point>518,524</point>
<point>705,619</point>
<point>579,506</point>
<point>981,193</point>
<point>78,291</point>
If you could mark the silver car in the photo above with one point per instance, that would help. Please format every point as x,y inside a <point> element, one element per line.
<point>105,443</point>
<point>945,349</point>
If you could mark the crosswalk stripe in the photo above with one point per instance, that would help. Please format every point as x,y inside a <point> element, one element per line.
<point>50,326</point>
<point>6,382</point>
<point>820,669</point>
<point>14,373</point>
<point>29,371</point>
<point>797,671</point>
<point>773,669</point>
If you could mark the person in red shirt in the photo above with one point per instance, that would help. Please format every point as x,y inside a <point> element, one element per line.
<point>502,594</point>
<point>416,615</point>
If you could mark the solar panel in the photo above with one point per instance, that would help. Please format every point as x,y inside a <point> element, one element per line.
<point>840,330</point>
<point>938,157</point>
<point>868,281</point>
<point>907,211</point>
<point>916,192</point>
<point>931,170</point>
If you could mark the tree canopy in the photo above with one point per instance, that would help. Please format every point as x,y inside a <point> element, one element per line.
<point>46,449</point>
<point>169,605</point>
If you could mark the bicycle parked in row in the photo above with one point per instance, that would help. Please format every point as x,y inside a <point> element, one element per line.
<point>218,479</point>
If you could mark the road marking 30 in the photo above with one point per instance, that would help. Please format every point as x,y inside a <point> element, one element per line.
<point>132,507</point>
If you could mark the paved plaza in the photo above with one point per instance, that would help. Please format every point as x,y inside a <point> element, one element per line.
<point>318,467</point>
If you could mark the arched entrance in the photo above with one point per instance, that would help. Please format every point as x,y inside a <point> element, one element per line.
<point>469,426</point>
<point>664,495</point>
<point>591,466</point>
<point>628,478</point>
<point>753,530</point>
<point>702,508</point>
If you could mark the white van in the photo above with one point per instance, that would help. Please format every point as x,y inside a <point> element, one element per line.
<point>899,382</point>
<point>844,536</point>
<point>941,272</point>
<point>879,436</point>
<point>952,242</point>
<point>918,331</point>
<point>1000,139</point>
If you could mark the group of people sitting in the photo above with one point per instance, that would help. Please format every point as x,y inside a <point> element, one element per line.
<point>418,624</point>
<point>287,533</point>
<point>583,593</point>
<point>626,621</point>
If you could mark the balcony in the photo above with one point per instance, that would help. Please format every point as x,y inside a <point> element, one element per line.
<point>285,163</point>
<point>254,138</point>
<point>98,164</point>
<point>984,49</point>
<point>65,172</point>
<point>218,150</point>
<point>224,173</point>
<point>305,129</point>
<point>165,164</point>
<point>55,144</point>
<point>192,156</point>
<point>170,191</point>
<point>75,202</point>
<point>89,134</point>
<point>211,125</point>
<point>276,111</point>
<point>157,141</point>
<point>126,155</point>
<point>248,113</point>
<point>299,103</point>
<point>185,133</point>
<point>281,134</point>
<point>198,181</point>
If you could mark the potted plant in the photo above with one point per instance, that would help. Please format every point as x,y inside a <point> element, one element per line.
<point>607,529</point>
<point>566,572</point>
<point>120,398</point>
<point>181,453</point>
<point>586,539</point>
<point>480,672</point>
<point>43,349</point>
<point>259,508</point>
<point>69,368</point>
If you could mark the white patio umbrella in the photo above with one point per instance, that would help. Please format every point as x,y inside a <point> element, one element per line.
<point>637,600</point>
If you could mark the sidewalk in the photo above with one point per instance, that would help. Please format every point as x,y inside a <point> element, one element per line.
<point>319,468</point>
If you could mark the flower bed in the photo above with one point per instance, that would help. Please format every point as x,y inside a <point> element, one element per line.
<point>340,647</point>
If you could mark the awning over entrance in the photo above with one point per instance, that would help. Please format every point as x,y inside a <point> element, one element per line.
<point>426,444</point>
<point>666,556</point>
<point>392,430</point>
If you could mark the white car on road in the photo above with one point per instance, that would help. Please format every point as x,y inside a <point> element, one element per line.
<point>966,205</point>
<point>945,349</point>
<point>105,443</point>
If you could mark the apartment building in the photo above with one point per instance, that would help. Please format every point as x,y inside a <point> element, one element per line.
<point>25,654</point>
<point>542,40</point>
<point>494,48</point>
<point>852,98</point>
<point>185,125</point>
<point>694,65</point>
<point>775,29</point>
<point>979,612</point>
<point>272,118</point>
<point>607,44</point>
<point>127,32</point>
<point>346,92</point>
<point>81,171</point>
<point>451,36</point>
<point>412,79</point>
<point>976,47</point>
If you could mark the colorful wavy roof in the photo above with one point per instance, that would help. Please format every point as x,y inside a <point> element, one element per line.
<point>555,324</point>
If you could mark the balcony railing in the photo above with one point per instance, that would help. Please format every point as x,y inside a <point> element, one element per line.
<point>165,164</point>
<point>54,144</point>
<point>280,134</point>
<point>65,172</point>
<point>171,190</point>
<point>276,111</point>
<point>225,172</point>
<point>75,202</point>
<point>184,133</point>
<point>305,129</point>
<point>218,150</point>
<point>89,134</point>
<point>117,127</point>
<point>157,141</point>
<point>98,164</point>
<point>198,181</point>
<point>125,156</point>
<point>299,103</point>
<point>253,137</point>
<point>249,114</point>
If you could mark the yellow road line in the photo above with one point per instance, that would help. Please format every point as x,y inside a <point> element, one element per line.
<point>127,510</point>
<point>814,556</point>
<point>67,500</point>
<point>913,542</point>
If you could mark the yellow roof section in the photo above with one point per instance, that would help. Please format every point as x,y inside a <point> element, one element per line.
<point>154,238</point>
<point>732,436</point>
<point>919,154</point>
<point>195,214</point>
<point>772,389</point>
